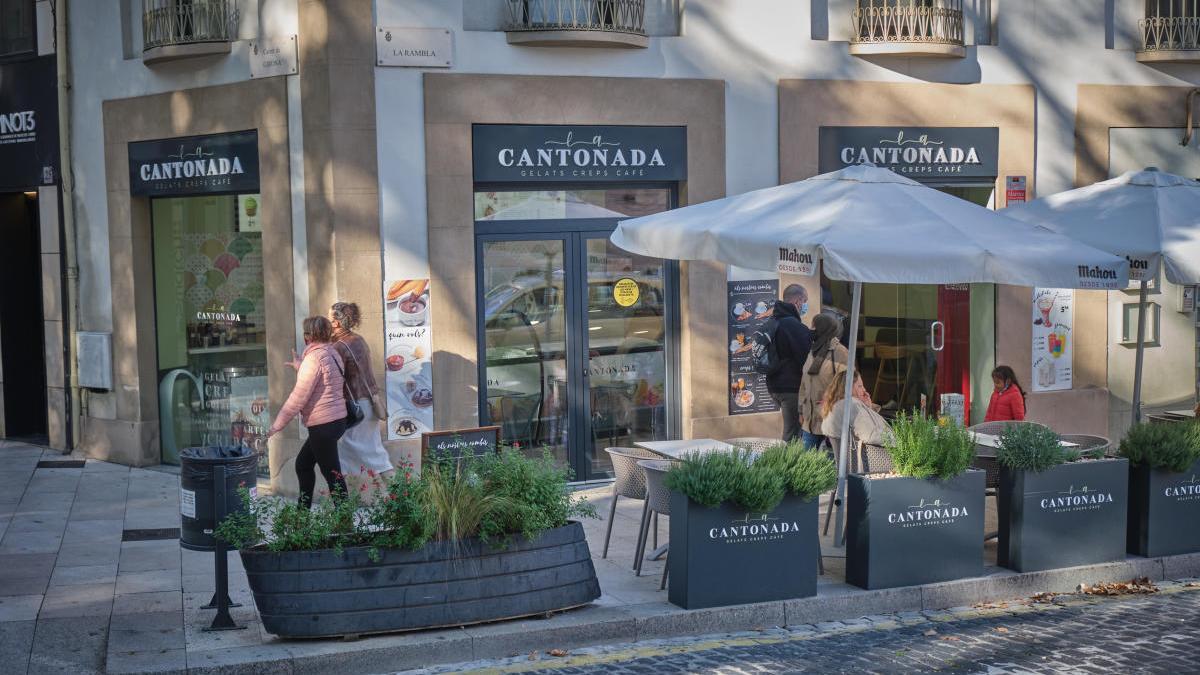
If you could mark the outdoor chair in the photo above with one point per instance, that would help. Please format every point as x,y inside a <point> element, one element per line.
<point>1090,446</point>
<point>754,443</point>
<point>629,481</point>
<point>987,462</point>
<point>658,500</point>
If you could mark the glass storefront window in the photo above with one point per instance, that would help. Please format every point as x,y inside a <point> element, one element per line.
<point>570,204</point>
<point>210,321</point>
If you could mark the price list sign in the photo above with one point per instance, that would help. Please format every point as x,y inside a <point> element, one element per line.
<point>749,306</point>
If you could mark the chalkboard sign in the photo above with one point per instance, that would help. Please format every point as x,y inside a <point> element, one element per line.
<point>461,442</point>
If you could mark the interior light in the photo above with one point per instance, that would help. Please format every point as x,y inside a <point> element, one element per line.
<point>31,195</point>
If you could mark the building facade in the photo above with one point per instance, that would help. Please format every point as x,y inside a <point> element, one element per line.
<point>455,167</point>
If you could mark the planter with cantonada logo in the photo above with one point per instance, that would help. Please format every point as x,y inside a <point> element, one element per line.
<point>726,556</point>
<point>1071,514</point>
<point>1164,511</point>
<point>904,531</point>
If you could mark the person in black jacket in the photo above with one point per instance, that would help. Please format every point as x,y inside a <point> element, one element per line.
<point>792,341</point>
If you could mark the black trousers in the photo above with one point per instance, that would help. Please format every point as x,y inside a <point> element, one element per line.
<point>789,407</point>
<point>321,450</point>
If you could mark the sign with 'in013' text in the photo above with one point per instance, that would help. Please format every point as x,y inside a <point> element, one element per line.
<point>28,123</point>
<point>195,165</point>
<point>916,152</point>
<point>523,153</point>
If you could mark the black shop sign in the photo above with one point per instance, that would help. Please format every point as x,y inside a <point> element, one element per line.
<point>28,123</point>
<point>523,153</point>
<point>916,152</point>
<point>195,165</point>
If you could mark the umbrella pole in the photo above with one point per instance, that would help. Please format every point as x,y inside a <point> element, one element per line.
<point>1141,353</point>
<point>839,537</point>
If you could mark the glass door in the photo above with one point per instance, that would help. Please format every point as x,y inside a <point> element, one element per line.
<point>575,333</point>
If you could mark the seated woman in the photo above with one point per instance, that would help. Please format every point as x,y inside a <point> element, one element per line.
<point>866,425</point>
<point>1008,400</point>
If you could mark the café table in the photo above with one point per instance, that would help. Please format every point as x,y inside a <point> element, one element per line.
<point>1188,414</point>
<point>680,449</point>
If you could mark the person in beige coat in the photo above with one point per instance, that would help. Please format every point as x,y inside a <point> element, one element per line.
<point>827,358</point>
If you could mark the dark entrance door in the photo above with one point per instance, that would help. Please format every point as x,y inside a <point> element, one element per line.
<point>22,350</point>
<point>576,336</point>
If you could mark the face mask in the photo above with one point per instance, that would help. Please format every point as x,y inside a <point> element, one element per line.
<point>803,308</point>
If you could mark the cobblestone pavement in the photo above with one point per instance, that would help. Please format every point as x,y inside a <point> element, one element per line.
<point>1069,634</point>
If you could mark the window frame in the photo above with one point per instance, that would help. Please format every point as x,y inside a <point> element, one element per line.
<point>6,57</point>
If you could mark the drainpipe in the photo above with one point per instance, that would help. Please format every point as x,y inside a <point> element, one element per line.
<point>67,182</point>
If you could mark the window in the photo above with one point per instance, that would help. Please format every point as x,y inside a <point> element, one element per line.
<point>1129,324</point>
<point>18,30</point>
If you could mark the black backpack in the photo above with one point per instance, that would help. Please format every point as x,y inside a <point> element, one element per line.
<point>764,352</point>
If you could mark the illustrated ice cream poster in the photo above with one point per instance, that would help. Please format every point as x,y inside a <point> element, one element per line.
<point>1053,319</point>
<point>408,358</point>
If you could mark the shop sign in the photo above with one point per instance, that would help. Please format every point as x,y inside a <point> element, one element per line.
<point>271,58</point>
<point>1014,189</point>
<point>458,443</point>
<point>414,47</point>
<point>1053,319</point>
<point>750,305</point>
<point>28,123</point>
<point>195,165</point>
<point>521,153</point>
<point>917,152</point>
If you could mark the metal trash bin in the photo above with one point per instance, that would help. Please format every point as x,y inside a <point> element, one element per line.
<point>197,489</point>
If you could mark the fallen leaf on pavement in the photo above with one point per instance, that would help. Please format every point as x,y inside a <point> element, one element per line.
<point>950,638</point>
<point>557,652</point>
<point>533,656</point>
<point>930,633</point>
<point>1001,629</point>
<point>1045,596</point>
<point>1138,586</point>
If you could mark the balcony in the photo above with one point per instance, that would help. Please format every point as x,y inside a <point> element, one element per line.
<point>577,23</point>
<point>908,28</point>
<point>1170,32</point>
<point>180,29</point>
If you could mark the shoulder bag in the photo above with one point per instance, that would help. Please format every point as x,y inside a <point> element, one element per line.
<point>377,405</point>
<point>354,413</point>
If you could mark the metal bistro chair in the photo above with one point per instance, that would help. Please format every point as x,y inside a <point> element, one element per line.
<point>629,482</point>
<point>1090,446</point>
<point>658,499</point>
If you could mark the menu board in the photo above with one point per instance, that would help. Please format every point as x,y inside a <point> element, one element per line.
<point>457,443</point>
<point>749,306</point>
<point>409,348</point>
<point>1053,318</point>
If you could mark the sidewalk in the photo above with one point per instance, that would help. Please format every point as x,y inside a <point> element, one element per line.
<point>79,594</point>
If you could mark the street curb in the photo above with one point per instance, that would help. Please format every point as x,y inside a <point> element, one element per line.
<point>599,624</point>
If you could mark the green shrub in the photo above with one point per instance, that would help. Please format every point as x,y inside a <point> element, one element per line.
<point>284,525</point>
<point>534,491</point>
<point>758,489</point>
<point>1174,447</point>
<point>1032,447</point>
<point>922,448</point>
<point>806,472</point>
<point>707,479</point>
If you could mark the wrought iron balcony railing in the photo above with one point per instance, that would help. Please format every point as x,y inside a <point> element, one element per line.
<point>1170,31</point>
<point>179,28</point>
<point>911,27</point>
<point>588,23</point>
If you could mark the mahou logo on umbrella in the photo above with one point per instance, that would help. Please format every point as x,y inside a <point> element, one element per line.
<point>794,261</point>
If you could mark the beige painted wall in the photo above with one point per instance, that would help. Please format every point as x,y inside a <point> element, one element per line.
<point>132,437</point>
<point>453,102</point>
<point>807,105</point>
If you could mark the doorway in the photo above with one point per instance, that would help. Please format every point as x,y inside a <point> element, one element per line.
<point>576,336</point>
<point>918,342</point>
<point>22,331</point>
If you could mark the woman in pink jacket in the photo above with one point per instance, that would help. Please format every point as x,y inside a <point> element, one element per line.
<point>319,400</point>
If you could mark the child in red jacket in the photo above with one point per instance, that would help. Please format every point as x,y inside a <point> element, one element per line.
<point>1008,400</point>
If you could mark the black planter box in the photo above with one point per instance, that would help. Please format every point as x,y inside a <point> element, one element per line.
<point>325,593</point>
<point>1164,511</point>
<point>1071,514</point>
<point>725,556</point>
<point>909,531</point>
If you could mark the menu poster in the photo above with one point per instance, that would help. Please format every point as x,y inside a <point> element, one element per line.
<point>1053,318</point>
<point>409,348</point>
<point>750,305</point>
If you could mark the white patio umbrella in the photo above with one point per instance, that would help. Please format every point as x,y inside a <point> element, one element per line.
<point>869,224</point>
<point>1149,217</point>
